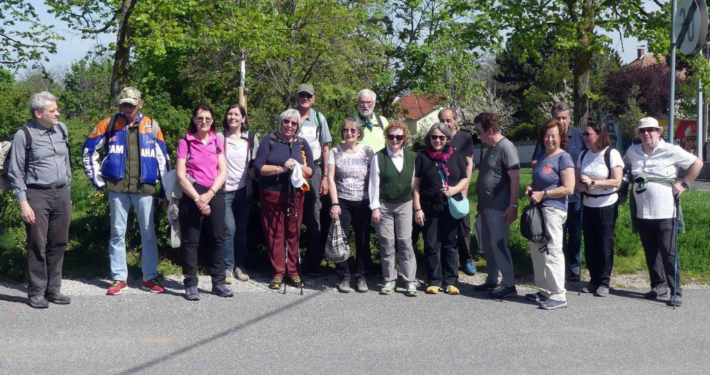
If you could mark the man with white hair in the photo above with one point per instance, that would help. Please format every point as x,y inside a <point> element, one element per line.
<point>40,178</point>
<point>373,125</point>
<point>656,198</point>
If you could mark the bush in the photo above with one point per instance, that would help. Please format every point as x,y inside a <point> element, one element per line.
<point>523,132</point>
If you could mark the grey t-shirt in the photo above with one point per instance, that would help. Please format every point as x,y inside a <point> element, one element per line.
<point>547,175</point>
<point>315,138</point>
<point>493,183</point>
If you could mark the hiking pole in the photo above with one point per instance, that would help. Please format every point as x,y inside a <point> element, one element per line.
<point>288,213</point>
<point>677,253</point>
<point>298,236</point>
<point>581,225</point>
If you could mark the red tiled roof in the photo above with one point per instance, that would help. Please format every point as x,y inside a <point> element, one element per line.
<point>646,60</point>
<point>414,106</point>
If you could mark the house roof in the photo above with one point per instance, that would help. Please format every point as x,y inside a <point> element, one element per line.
<point>648,59</point>
<point>415,106</point>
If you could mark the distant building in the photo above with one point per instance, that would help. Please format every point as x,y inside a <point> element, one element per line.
<point>418,111</point>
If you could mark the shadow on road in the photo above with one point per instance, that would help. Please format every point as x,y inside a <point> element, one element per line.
<point>185,349</point>
<point>18,299</point>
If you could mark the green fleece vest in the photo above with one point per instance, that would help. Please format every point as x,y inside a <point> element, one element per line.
<point>395,186</point>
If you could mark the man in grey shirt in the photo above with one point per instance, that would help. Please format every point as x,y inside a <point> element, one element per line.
<point>497,187</point>
<point>40,179</point>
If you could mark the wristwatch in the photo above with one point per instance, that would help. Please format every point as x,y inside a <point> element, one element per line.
<point>684,185</point>
<point>592,184</point>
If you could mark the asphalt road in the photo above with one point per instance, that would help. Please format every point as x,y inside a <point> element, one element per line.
<point>324,332</point>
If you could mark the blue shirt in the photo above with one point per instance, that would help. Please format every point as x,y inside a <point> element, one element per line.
<point>278,154</point>
<point>575,146</point>
<point>547,175</point>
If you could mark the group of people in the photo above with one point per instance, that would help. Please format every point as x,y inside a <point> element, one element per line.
<point>371,179</point>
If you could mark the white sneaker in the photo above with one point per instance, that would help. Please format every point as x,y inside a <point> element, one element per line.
<point>229,277</point>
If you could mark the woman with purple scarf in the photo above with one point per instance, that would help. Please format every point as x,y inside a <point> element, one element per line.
<point>439,173</point>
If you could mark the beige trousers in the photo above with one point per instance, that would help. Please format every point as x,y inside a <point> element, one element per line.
<point>549,264</point>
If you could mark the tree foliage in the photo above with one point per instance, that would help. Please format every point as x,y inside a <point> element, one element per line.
<point>23,37</point>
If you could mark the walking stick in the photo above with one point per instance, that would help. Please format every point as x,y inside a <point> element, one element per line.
<point>581,224</point>
<point>677,253</point>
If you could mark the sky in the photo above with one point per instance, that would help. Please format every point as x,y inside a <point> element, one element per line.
<point>74,48</point>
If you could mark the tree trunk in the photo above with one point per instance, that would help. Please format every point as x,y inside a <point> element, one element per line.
<point>583,65</point>
<point>121,60</point>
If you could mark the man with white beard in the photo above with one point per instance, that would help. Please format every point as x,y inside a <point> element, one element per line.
<point>373,125</point>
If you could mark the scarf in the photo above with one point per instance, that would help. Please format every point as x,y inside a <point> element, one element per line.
<point>441,157</point>
<point>365,121</point>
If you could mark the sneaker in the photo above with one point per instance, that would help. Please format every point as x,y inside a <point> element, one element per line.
<point>154,286</point>
<point>485,287</point>
<point>657,291</point>
<point>469,268</point>
<point>229,277</point>
<point>222,290</point>
<point>240,274</point>
<point>388,288</point>
<point>503,291</point>
<point>452,290</point>
<point>58,298</point>
<point>675,301</point>
<point>590,288</point>
<point>411,290</point>
<point>344,286</point>
<point>573,276</point>
<point>37,302</point>
<point>295,281</point>
<point>276,283</point>
<point>191,294</point>
<point>602,291</point>
<point>116,287</point>
<point>432,289</point>
<point>553,304</point>
<point>362,286</point>
<point>536,297</point>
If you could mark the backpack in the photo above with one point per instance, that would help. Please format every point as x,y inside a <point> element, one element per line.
<point>532,226</point>
<point>6,148</point>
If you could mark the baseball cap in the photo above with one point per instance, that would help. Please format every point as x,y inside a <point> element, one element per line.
<point>305,87</point>
<point>129,95</point>
<point>648,122</point>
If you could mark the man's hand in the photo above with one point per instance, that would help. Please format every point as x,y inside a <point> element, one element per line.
<point>510,215</point>
<point>26,213</point>
<point>678,189</point>
<point>323,190</point>
<point>376,216</point>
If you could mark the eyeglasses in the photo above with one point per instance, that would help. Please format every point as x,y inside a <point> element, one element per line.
<point>304,95</point>
<point>349,130</point>
<point>203,119</point>
<point>366,103</point>
<point>440,138</point>
<point>393,137</point>
<point>289,122</point>
<point>588,134</point>
<point>647,130</point>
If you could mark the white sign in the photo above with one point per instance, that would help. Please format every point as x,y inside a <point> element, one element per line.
<point>691,26</point>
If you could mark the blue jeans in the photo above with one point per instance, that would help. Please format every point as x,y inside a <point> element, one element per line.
<point>120,203</point>
<point>572,237</point>
<point>236,223</point>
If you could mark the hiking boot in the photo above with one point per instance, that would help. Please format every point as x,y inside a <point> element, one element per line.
<point>344,286</point>
<point>276,282</point>
<point>657,291</point>
<point>222,290</point>
<point>37,302</point>
<point>191,294</point>
<point>229,277</point>
<point>116,287</point>
<point>388,288</point>
<point>433,289</point>
<point>590,288</point>
<point>536,297</point>
<point>240,274</point>
<point>469,268</point>
<point>362,286</point>
<point>602,291</point>
<point>411,290</point>
<point>452,290</point>
<point>58,298</point>
<point>553,304</point>
<point>295,281</point>
<point>675,301</point>
<point>503,291</point>
<point>154,286</point>
<point>486,287</point>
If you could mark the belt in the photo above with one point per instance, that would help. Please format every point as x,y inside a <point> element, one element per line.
<point>45,187</point>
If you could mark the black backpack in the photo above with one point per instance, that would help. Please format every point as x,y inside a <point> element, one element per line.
<point>532,226</point>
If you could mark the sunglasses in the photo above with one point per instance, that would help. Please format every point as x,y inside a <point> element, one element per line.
<point>647,130</point>
<point>440,138</point>
<point>304,95</point>
<point>588,134</point>
<point>349,130</point>
<point>203,119</point>
<point>393,137</point>
<point>289,122</point>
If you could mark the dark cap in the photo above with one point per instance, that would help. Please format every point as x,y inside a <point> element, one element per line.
<point>305,87</point>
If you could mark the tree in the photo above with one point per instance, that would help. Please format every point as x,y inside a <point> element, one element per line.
<point>22,36</point>
<point>576,25</point>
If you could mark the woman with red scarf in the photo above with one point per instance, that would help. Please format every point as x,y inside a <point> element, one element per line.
<point>439,173</point>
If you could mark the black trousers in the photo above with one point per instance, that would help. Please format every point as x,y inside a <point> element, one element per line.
<point>658,239</point>
<point>440,250</point>
<point>598,226</point>
<point>47,239</point>
<point>191,221</point>
<point>463,241</point>
<point>357,214</point>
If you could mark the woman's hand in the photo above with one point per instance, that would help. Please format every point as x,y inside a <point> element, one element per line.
<point>207,197</point>
<point>290,164</point>
<point>528,191</point>
<point>376,217</point>
<point>334,211</point>
<point>537,196</point>
<point>585,180</point>
<point>419,218</point>
<point>447,191</point>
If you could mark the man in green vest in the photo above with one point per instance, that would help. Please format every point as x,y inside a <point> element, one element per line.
<point>373,125</point>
